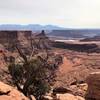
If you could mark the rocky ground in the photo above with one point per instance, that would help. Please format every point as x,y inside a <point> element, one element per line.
<point>10,93</point>
<point>76,66</point>
<point>71,74</point>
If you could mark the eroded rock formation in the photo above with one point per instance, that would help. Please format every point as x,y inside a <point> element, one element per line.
<point>9,38</point>
<point>93,81</point>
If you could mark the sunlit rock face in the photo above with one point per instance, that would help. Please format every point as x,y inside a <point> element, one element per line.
<point>9,93</point>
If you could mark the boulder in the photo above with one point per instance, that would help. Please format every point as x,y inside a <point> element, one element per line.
<point>9,93</point>
<point>79,89</point>
<point>68,96</point>
<point>93,81</point>
<point>47,98</point>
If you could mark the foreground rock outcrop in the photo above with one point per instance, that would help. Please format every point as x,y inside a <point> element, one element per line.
<point>9,93</point>
<point>93,81</point>
<point>68,96</point>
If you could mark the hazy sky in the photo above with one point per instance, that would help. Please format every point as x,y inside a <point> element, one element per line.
<point>67,13</point>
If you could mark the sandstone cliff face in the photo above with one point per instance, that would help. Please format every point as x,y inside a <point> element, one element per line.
<point>8,38</point>
<point>23,36</point>
<point>93,81</point>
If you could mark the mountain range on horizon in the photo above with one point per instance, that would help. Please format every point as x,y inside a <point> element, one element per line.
<point>53,30</point>
<point>33,27</point>
<point>36,27</point>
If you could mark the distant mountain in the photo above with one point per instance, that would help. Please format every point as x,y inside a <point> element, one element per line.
<point>75,33</point>
<point>54,31</point>
<point>33,27</point>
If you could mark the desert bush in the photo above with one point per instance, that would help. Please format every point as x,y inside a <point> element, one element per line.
<point>35,74</point>
<point>33,77</point>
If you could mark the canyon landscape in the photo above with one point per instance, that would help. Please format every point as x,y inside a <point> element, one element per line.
<point>49,49</point>
<point>35,67</point>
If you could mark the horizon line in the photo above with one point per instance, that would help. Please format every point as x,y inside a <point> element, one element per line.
<point>55,26</point>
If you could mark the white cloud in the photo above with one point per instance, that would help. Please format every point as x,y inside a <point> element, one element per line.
<point>68,13</point>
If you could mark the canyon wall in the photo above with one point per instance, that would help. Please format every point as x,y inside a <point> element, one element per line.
<point>9,38</point>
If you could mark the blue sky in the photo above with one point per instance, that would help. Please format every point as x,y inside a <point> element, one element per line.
<point>67,13</point>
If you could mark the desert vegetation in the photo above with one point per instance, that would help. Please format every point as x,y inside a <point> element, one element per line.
<point>34,73</point>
